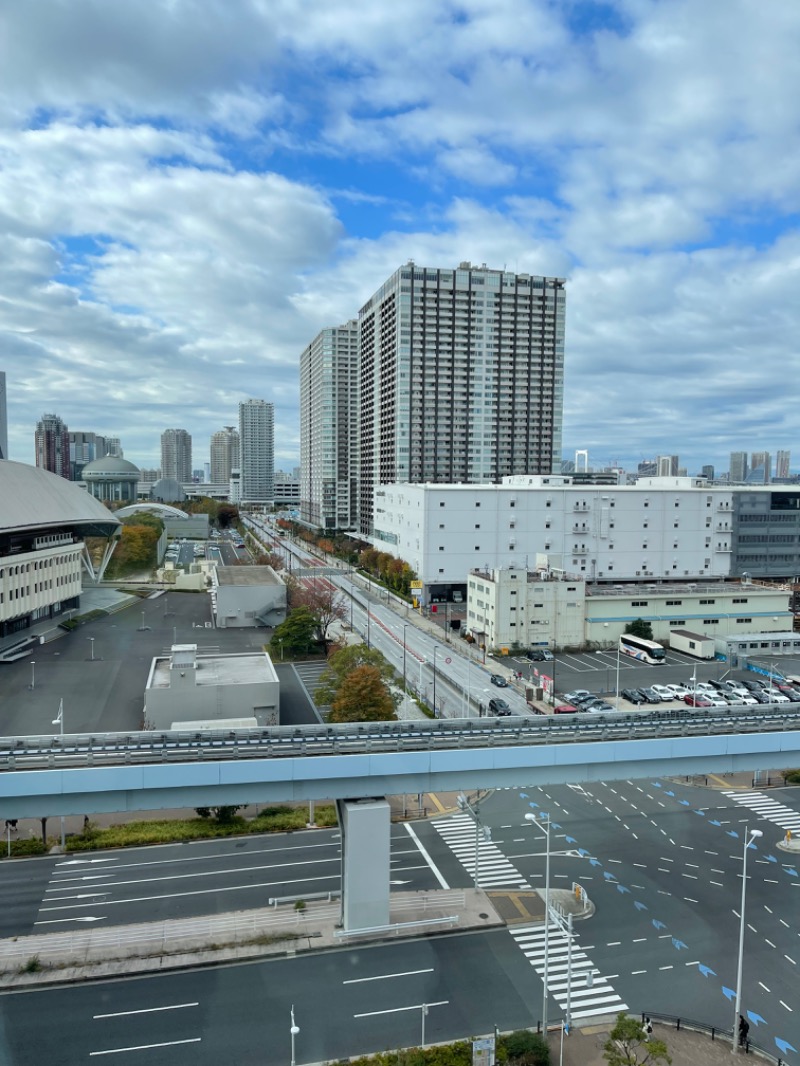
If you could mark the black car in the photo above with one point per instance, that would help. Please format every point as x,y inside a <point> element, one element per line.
<point>499,707</point>
<point>576,696</point>
<point>633,695</point>
<point>583,700</point>
<point>597,707</point>
<point>499,680</point>
<point>649,696</point>
<point>536,656</point>
<point>754,686</point>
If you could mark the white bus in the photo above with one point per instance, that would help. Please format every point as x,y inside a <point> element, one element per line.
<point>646,650</point>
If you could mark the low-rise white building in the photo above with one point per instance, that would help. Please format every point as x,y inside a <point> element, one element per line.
<point>513,607</point>
<point>187,687</point>
<point>247,596</point>
<point>668,528</point>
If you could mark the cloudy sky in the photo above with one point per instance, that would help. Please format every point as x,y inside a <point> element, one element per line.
<point>191,189</point>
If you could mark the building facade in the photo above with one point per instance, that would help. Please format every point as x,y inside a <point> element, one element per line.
<point>256,451</point>
<point>112,480</point>
<point>329,429</point>
<point>84,448</point>
<point>783,463</point>
<point>224,454</point>
<point>52,445</point>
<point>760,468</point>
<point>460,378</point>
<point>738,467</point>
<point>176,455</point>
<point>3,417</point>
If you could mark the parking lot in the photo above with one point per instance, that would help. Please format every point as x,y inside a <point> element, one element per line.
<point>597,671</point>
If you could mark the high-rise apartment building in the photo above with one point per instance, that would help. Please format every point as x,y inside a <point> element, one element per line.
<point>461,378</point>
<point>329,429</point>
<point>667,465</point>
<point>783,464</point>
<point>760,468</point>
<point>52,445</point>
<point>114,447</point>
<point>738,467</point>
<point>257,451</point>
<point>84,448</point>
<point>3,418</point>
<point>176,455</point>
<point>708,472</point>
<point>224,455</point>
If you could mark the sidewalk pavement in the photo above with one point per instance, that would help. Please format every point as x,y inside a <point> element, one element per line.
<point>584,1046</point>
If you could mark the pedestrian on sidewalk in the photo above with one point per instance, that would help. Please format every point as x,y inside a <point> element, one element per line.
<point>647,1028</point>
<point>744,1029</point>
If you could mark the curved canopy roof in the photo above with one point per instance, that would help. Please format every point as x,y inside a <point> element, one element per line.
<point>34,499</point>
<point>110,464</point>
<point>168,490</point>
<point>162,509</point>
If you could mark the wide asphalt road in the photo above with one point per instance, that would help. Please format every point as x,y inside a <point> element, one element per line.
<point>346,1002</point>
<point>184,880</point>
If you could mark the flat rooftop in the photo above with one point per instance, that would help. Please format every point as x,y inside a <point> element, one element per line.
<point>247,575</point>
<point>695,588</point>
<point>246,669</point>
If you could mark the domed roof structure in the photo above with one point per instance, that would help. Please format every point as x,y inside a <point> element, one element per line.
<point>36,499</point>
<point>167,490</point>
<point>110,465</point>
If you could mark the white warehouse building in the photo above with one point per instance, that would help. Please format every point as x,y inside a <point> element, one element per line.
<point>661,529</point>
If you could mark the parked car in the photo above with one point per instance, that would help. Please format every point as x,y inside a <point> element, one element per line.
<point>664,692</point>
<point>600,707</point>
<point>633,695</point>
<point>698,700</point>
<point>650,696</point>
<point>547,655</point>
<point>585,701</point>
<point>776,696</point>
<point>536,655</point>
<point>679,691</point>
<point>578,695</point>
<point>499,707</point>
<point>701,686</point>
<point>735,686</point>
<point>565,708</point>
<point>754,686</point>
<point>499,680</point>
<point>716,699</point>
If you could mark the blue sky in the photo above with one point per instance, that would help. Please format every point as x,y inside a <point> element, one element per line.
<point>190,190</point>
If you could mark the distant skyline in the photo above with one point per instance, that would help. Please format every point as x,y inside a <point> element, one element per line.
<point>191,191</point>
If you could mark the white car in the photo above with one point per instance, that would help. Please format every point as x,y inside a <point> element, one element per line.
<point>664,691</point>
<point>776,697</point>
<point>716,699</point>
<point>679,691</point>
<point>735,686</point>
<point>704,687</point>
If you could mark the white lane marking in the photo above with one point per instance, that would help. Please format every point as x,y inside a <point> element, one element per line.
<point>398,1010</point>
<point>146,1010</point>
<point>718,884</point>
<point>769,942</point>
<point>385,976</point>
<point>640,940</point>
<point>145,1047</point>
<point>635,972</point>
<point>764,986</point>
<point>690,900</point>
<point>791,960</point>
<point>665,859</point>
<point>783,922</point>
<point>426,856</point>
<point>786,1005</point>
<point>666,967</point>
<point>767,909</point>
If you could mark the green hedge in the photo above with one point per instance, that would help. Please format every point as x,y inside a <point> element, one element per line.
<point>520,1048</point>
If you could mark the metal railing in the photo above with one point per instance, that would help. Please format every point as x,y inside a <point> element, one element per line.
<point>714,1031</point>
<point>122,749</point>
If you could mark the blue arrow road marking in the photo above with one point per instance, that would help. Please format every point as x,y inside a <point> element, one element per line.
<point>639,906</point>
<point>532,804</point>
<point>728,993</point>
<point>571,840</point>
<point>622,888</point>
<point>756,1019</point>
<point>523,795</point>
<point>732,833</point>
<point>608,876</point>
<point>669,794</point>
<point>658,925</point>
<point>684,803</point>
<point>701,813</point>
<point>770,858</point>
<point>784,1046</point>
<point>706,971</point>
<point>679,944</point>
<point>656,784</point>
<point>790,870</point>
<point>595,862</point>
<point>714,822</point>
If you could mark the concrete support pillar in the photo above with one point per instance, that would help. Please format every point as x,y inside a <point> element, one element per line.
<point>365,826</point>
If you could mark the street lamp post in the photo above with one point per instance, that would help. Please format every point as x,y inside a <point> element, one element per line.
<point>543,822</point>
<point>91,642</point>
<point>59,721</point>
<point>435,649</point>
<point>293,1031</point>
<point>748,841</point>
<point>481,832</point>
<point>33,674</point>
<point>405,690</point>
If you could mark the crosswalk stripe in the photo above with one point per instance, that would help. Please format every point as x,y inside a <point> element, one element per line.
<point>765,807</point>
<point>494,869</point>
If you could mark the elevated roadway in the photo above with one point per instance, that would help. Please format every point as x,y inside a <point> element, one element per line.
<point>89,774</point>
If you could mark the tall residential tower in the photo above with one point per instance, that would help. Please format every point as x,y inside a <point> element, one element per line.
<point>257,451</point>
<point>461,378</point>
<point>176,455</point>
<point>329,429</point>
<point>224,455</point>
<point>3,418</point>
<point>52,445</point>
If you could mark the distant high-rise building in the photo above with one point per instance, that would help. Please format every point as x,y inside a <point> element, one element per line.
<point>329,429</point>
<point>224,455</point>
<point>738,467</point>
<point>114,447</point>
<point>647,468</point>
<point>52,445</point>
<point>667,465</point>
<point>84,448</point>
<point>708,472</point>
<point>3,418</point>
<point>783,464</point>
<point>257,451</point>
<point>760,461</point>
<point>461,378</point>
<point>176,455</point>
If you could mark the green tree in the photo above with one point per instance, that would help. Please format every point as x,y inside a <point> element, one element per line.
<point>227,515</point>
<point>327,605</point>
<point>629,1045</point>
<point>524,1048</point>
<point>295,635</point>
<point>639,628</point>
<point>342,663</point>
<point>363,697</point>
